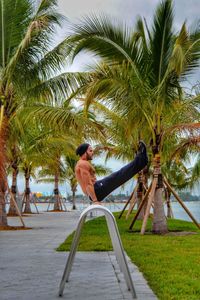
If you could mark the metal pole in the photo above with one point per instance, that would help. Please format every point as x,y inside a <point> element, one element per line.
<point>116,242</point>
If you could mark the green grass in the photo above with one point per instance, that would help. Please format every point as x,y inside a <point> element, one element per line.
<point>171,264</point>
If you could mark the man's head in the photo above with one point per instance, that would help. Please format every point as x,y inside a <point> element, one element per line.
<point>85,151</point>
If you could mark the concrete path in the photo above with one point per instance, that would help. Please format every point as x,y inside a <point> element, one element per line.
<point>31,269</point>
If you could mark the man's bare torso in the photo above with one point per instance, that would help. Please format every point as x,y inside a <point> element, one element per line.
<point>85,174</point>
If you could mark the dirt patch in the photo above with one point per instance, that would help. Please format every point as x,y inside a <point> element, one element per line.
<point>13,228</point>
<point>57,211</point>
<point>23,215</point>
<point>170,233</point>
<point>26,215</point>
<point>180,233</point>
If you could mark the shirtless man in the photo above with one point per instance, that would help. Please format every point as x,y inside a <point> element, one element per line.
<point>97,190</point>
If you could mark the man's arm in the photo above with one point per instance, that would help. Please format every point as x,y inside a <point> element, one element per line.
<point>85,176</point>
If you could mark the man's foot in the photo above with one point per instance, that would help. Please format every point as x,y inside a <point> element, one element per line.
<point>142,148</point>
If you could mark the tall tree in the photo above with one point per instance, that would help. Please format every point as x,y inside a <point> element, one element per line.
<point>70,162</point>
<point>13,160</point>
<point>31,65</point>
<point>56,146</point>
<point>143,71</point>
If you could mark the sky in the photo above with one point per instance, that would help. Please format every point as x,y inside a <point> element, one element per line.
<point>126,11</point>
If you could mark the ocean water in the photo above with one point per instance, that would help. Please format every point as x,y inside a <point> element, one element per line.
<point>178,211</point>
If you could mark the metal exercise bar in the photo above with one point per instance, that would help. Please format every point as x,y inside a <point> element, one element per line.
<point>116,242</point>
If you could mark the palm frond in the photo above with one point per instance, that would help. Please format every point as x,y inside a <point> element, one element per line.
<point>114,39</point>
<point>15,17</point>
<point>101,170</point>
<point>186,53</point>
<point>32,45</point>
<point>196,173</point>
<point>113,42</point>
<point>191,128</point>
<point>49,64</point>
<point>56,89</point>
<point>161,45</point>
<point>191,144</point>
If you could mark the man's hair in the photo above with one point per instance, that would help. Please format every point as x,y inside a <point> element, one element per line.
<point>82,149</point>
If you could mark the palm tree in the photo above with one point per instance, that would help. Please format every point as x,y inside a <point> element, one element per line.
<point>53,172</point>
<point>70,162</point>
<point>14,164</point>
<point>188,150</point>
<point>56,146</point>
<point>31,66</point>
<point>196,173</point>
<point>143,72</point>
<point>31,147</point>
<point>178,176</point>
<point>14,157</point>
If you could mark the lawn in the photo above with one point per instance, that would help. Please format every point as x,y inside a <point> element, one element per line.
<point>170,263</point>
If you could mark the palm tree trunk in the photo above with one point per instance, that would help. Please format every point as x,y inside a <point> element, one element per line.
<point>140,193</point>
<point>142,189</point>
<point>3,177</point>
<point>159,219</point>
<point>27,208</point>
<point>56,193</point>
<point>3,216</point>
<point>12,209</point>
<point>169,208</point>
<point>73,199</point>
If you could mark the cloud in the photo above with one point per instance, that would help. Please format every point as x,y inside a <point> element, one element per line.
<point>126,10</point>
<point>186,10</point>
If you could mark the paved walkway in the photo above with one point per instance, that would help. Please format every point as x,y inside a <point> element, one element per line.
<point>31,269</point>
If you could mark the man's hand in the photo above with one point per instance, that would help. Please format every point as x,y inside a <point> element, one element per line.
<point>90,192</point>
<point>97,203</point>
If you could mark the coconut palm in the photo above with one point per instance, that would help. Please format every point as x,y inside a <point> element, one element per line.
<point>53,172</point>
<point>31,66</point>
<point>70,162</point>
<point>144,70</point>
<point>31,147</point>
<point>13,158</point>
<point>53,169</point>
<point>23,149</point>
<point>178,176</point>
<point>186,150</point>
<point>196,169</point>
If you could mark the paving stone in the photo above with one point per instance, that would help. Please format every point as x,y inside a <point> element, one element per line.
<point>31,269</point>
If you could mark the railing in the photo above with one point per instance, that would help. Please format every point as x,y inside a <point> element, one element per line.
<point>116,242</point>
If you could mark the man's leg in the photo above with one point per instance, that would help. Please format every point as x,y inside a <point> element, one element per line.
<point>108,184</point>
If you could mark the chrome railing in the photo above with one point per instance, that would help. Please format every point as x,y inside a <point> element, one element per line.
<point>116,242</point>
